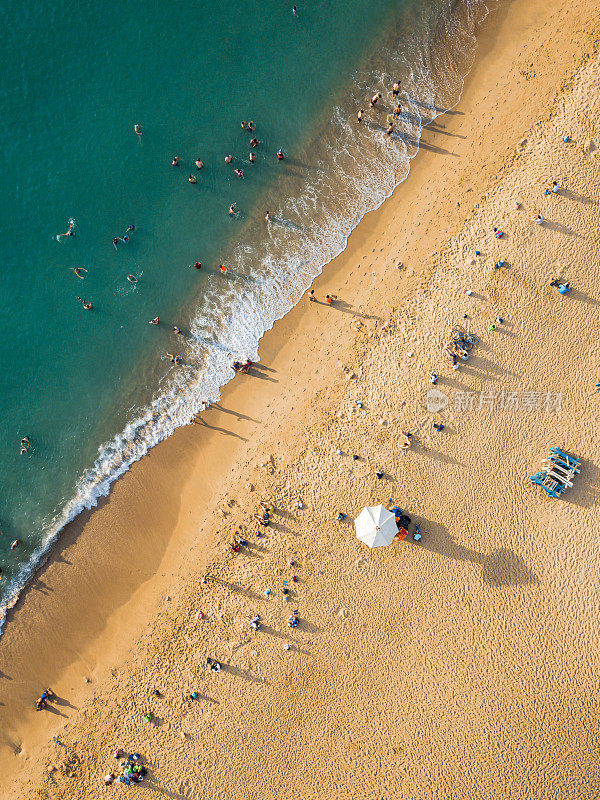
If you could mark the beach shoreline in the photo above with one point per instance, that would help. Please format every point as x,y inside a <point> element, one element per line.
<point>125,554</point>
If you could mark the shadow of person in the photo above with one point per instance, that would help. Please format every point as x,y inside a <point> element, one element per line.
<point>216,428</point>
<point>61,701</point>
<point>255,372</point>
<point>55,711</point>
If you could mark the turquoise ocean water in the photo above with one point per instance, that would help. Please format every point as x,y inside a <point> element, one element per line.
<point>92,389</point>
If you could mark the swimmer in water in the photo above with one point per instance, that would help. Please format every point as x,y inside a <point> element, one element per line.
<point>268,216</point>
<point>154,321</point>
<point>243,125</point>
<point>78,271</point>
<point>68,232</point>
<point>198,265</point>
<point>396,89</point>
<point>359,116</point>
<point>176,330</point>
<point>137,129</point>
<point>233,210</point>
<point>192,179</point>
<point>280,154</point>
<point>125,239</point>
<point>174,359</point>
<point>116,242</point>
<point>390,128</point>
<point>251,126</point>
<point>223,268</point>
<point>199,163</point>
<point>130,228</point>
<point>132,279</point>
<point>85,303</point>
<point>374,99</point>
<point>175,162</point>
<point>252,158</point>
<point>254,142</point>
<point>228,158</point>
<point>15,544</point>
<point>239,173</point>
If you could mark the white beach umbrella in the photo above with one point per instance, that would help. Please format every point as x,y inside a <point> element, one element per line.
<point>376,526</point>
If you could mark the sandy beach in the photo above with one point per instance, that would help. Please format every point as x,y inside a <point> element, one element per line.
<point>463,665</point>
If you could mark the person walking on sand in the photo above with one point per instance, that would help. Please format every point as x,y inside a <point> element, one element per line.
<point>311,296</point>
<point>329,300</point>
<point>539,219</point>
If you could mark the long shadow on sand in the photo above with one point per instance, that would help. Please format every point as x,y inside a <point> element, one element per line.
<point>501,567</point>
<point>586,486</point>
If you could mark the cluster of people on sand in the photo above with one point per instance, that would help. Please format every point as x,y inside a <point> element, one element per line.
<point>42,702</point>
<point>242,366</point>
<point>130,770</point>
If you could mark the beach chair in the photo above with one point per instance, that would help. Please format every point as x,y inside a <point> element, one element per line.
<point>553,488</point>
<point>559,470</point>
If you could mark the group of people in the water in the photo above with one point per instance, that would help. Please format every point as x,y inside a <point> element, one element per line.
<point>177,161</point>
<point>124,238</point>
<point>391,118</point>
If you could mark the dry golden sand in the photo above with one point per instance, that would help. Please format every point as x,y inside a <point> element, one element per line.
<point>463,666</point>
